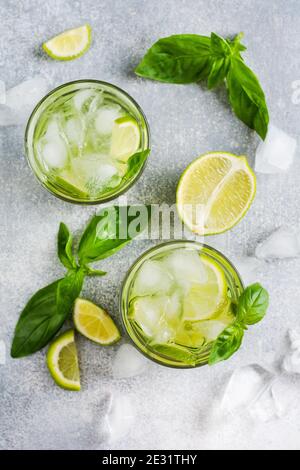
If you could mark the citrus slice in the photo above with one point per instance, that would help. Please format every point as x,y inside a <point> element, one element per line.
<point>62,361</point>
<point>94,323</point>
<point>215,192</point>
<point>208,299</point>
<point>70,44</point>
<point>125,138</point>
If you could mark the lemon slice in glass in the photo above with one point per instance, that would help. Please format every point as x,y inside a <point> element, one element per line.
<point>94,323</point>
<point>62,361</point>
<point>70,44</point>
<point>207,300</point>
<point>125,139</point>
<point>215,192</point>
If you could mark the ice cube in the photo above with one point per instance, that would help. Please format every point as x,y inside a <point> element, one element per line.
<point>105,118</point>
<point>21,99</point>
<point>265,408</point>
<point>82,97</point>
<point>95,172</point>
<point>55,153</point>
<point>247,267</point>
<point>74,130</point>
<point>291,361</point>
<point>276,153</point>
<point>53,130</point>
<point>128,362</point>
<point>244,386</point>
<point>120,416</point>
<point>148,312</point>
<point>283,243</point>
<point>285,392</point>
<point>186,267</point>
<point>152,278</point>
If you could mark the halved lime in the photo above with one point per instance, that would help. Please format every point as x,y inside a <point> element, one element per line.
<point>215,192</point>
<point>125,138</point>
<point>208,299</point>
<point>62,361</point>
<point>94,323</point>
<point>70,44</point>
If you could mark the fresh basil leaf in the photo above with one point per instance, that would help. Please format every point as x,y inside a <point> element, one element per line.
<point>45,313</point>
<point>226,344</point>
<point>247,97</point>
<point>183,58</point>
<point>253,304</point>
<point>135,162</point>
<point>112,229</point>
<point>64,247</point>
<point>93,272</point>
<point>218,72</point>
<point>220,46</point>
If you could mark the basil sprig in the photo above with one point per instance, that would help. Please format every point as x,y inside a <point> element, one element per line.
<point>190,58</point>
<point>46,312</point>
<point>251,308</point>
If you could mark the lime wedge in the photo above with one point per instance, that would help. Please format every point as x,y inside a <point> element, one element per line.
<point>215,192</point>
<point>70,44</point>
<point>94,323</point>
<point>62,361</point>
<point>125,138</point>
<point>209,299</point>
<point>70,184</point>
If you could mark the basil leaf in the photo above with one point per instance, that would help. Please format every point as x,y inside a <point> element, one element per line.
<point>226,344</point>
<point>93,272</point>
<point>253,304</point>
<point>183,58</point>
<point>247,97</point>
<point>64,247</point>
<point>112,229</point>
<point>135,162</point>
<point>218,72</point>
<point>45,313</point>
<point>219,46</point>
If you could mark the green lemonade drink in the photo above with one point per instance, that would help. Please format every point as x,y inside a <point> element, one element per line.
<point>177,299</point>
<point>87,141</point>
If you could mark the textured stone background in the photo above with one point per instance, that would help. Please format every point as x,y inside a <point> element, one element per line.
<point>173,407</point>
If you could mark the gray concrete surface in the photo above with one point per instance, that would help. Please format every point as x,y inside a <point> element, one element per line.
<point>173,407</point>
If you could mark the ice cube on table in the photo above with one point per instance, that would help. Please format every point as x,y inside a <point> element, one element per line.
<point>276,153</point>
<point>247,267</point>
<point>152,278</point>
<point>21,99</point>
<point>244,386</point>
<point>120,416</point>
<point>186,267</point>
<point>266,407</point>
<point>283,243</point>
<point>285,392</point>
<point>54,153</point>
<point>128,362</point>
<point>105,118</point>
<point>291,361</point>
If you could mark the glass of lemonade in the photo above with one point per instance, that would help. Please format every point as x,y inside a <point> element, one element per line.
<point>176,300</point>
<point>87,141</point>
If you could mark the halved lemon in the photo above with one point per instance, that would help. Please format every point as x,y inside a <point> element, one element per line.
<point>208,299</point>
<point>62,361</point>
<point>70,44</point>
<point>94,323</point>
<point>125,139</point>
<point>215,192</point>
